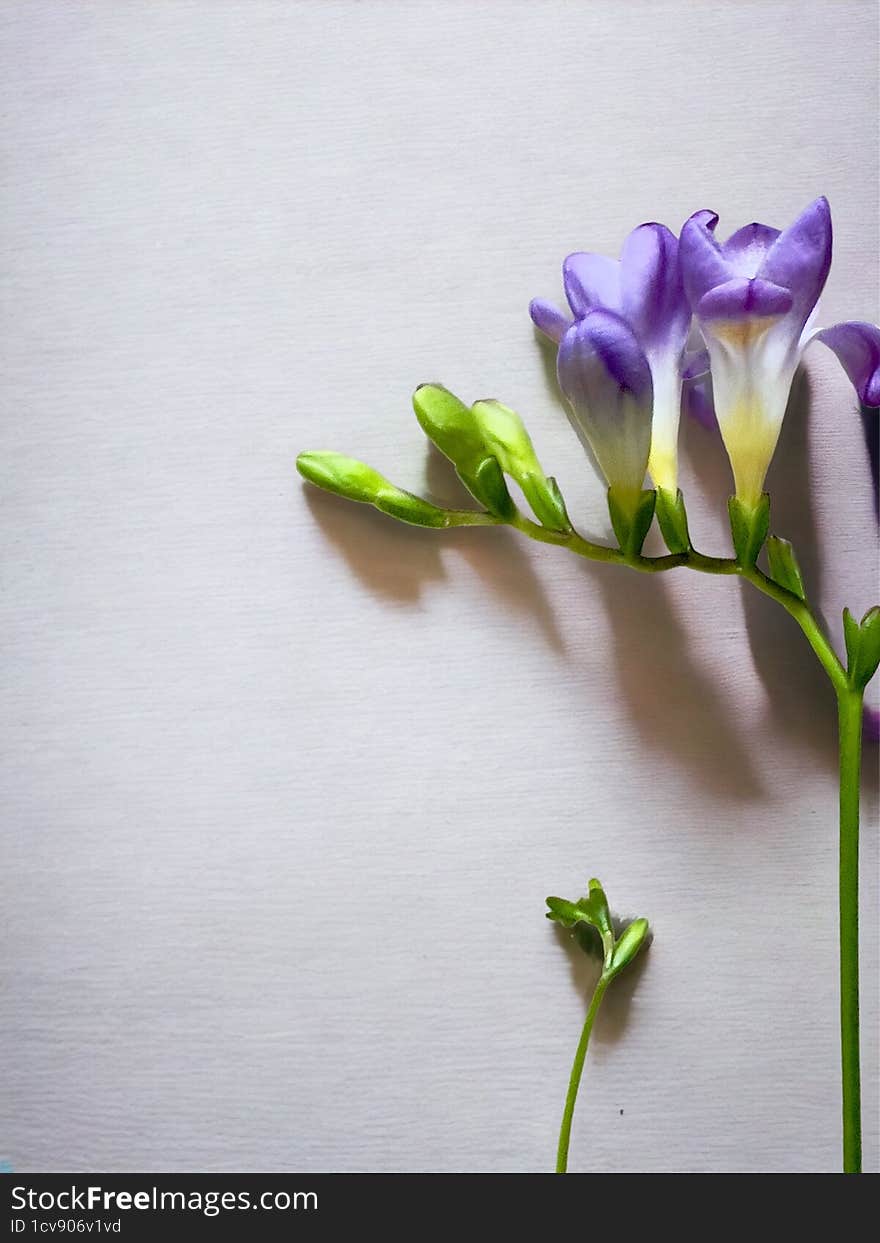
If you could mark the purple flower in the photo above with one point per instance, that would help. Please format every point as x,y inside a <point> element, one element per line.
<point>605,375</point>
<point>644,291</point>
<point>755,298</point>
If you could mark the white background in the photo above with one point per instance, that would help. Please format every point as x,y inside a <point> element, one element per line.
<point>286,783</point>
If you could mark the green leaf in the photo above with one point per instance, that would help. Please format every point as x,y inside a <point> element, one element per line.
<point>563,912</point>
<point>592,909</point>
<point>356,481</point>
<point>628,945</point>
<point>784,568</point>
<point>631,517</point>
<point>672,520</point>
<point>749,526</point>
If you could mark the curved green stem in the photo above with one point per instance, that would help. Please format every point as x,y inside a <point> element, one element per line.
<point>850,722</point>
<point>577,1070</point>
<point>850,725</point>
<point>693,560</point>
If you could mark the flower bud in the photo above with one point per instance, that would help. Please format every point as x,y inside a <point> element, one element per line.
<point>356,481</point>
<point>506,438</point>
<point>628,945</point>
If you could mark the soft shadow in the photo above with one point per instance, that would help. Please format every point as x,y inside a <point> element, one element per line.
<point>675,708</point>
<point>388,557</point>
<point>613,1017</point>
<point>397,561</point>
<point>800,700</point>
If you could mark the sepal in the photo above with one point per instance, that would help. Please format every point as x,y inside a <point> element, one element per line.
<point>631,517</point>
<point>784,568</point>
<point>672,520</point>
<point>487,485</point>
<point>749,525</point>
<point>862,646</point>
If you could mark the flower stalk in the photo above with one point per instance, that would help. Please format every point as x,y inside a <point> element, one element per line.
<point>590,919</point>
<point>627,367</point>
<point>850,738</point>
<point>577,1071</point>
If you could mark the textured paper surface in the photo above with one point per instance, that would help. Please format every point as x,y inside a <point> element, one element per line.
<point>285,784</point>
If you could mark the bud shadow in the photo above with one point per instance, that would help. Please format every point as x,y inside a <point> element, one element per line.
<point>396,562</point>
<point>389,558</point>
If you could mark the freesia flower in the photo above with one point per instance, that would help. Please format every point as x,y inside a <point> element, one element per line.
<point>645,290</point>
<point>754,298</point>
<point>605,375</point>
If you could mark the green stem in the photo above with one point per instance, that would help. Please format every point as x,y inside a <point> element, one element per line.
<point>850,718</point>
<point>576,1072</point>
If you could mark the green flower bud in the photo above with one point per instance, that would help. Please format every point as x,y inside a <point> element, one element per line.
<point>628,945</point>
<point>451,425</point>
<point>358,482</point>
<point>506,438</point>
<point>343,475</point>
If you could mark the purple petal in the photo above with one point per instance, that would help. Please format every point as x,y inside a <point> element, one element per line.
<point>601,352</point>
<point>592,282</point>
<point>871,428</point>
<point>745,299</point>
<point>652,292</point>
<point>697,404</point>
<point>746,249</point>
<point>705,217</point>
<point>548,319</point>
<point>800,257</point>
<point>857,345</point>
<point>871,725</point>
<point>605,375</point>
<point>703,266</point>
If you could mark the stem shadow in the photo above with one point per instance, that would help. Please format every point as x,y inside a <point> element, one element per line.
<point>613,1016</point>
<point>674,706</point>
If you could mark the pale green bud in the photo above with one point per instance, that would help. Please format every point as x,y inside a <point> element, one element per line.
<point>356,481</point>
<point>507,439</point>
